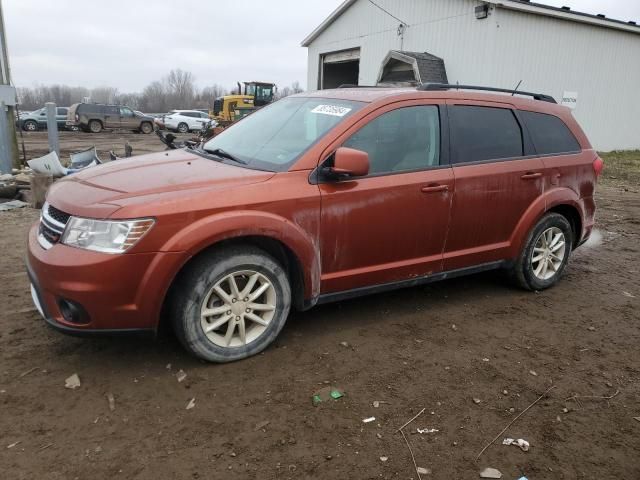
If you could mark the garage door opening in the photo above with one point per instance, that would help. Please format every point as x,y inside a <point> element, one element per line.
<point>339,68</point>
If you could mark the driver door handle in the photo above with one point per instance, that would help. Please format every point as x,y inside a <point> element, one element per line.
<point>531,175</point>
<point>435,188</point>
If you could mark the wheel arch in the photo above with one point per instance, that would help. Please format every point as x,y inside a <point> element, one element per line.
<point>559,200</point>
<point>291,246</point>
<point>572,214</point>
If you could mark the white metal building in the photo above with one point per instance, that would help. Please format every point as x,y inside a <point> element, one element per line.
<point>590,61</point>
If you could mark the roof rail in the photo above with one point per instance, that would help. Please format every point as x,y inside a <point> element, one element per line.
<point>353,85</point>
<point>435,87</point>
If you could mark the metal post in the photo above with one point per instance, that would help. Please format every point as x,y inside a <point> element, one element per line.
<point>5,146</point>
<point>9,114</point>
<point>52,128</point>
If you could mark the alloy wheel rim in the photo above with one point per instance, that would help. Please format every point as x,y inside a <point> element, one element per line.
<point>548,253</point>
<point>30,127</point>
<point>238,309</point>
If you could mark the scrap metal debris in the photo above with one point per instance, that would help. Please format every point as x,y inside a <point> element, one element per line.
<point>427,430</point>
<point>191,404</point>
<point>48,164</point>
<point>180,376</point>
<point>490,473</point>
<point>84,158</point>
<point>369,420</point>
<point>520,442</point>
<point>72,382</point>
<point>112,401</point>
<point>12,205</point>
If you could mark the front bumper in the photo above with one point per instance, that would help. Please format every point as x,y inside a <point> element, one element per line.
<point>119,293</point>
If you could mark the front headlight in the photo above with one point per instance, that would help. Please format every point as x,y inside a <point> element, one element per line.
<point>106,236</point>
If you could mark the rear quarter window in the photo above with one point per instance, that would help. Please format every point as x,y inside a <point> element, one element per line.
<point>549,133</point>
<point>484,133</point>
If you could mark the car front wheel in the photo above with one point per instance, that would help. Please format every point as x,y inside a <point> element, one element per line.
<point>30,126</point>
<point>183,128</point>
<point>230,304</point>
<point>546,253</point>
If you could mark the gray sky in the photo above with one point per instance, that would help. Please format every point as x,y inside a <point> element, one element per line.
<point>129,43</point>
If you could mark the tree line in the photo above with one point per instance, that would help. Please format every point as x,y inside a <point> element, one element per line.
<point>176,90</point>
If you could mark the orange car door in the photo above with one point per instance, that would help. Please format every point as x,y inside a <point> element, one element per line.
<point>497,178</point>
<point>391,225</point>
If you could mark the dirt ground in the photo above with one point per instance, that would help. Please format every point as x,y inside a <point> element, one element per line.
<point>436,348</point>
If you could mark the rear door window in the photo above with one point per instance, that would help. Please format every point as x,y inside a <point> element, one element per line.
<point>481,134</point>
<point>400,140</point>
<point>550,134</point>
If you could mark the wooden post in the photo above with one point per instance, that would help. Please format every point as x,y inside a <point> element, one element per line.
<point>39,186</point>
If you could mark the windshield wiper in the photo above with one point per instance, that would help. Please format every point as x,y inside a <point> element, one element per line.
<point>218,152</point>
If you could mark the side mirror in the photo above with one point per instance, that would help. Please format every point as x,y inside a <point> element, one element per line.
<point>350,162</point>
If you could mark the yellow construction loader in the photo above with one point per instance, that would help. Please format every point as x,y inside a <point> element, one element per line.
<point>231,108</point>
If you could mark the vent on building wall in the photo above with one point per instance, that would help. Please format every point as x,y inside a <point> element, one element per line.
<point>482,11</point>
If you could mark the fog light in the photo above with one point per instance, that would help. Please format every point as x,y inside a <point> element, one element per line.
<point>72,312</point>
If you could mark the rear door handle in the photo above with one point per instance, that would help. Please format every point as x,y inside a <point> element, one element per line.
<point>435,188</point>
<point>531,175</point>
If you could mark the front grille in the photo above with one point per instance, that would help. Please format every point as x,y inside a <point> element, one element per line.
<point>58,215</point>
<point>52,224</point>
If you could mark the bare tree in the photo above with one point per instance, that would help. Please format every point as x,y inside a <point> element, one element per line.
<point>104,95</point>
<point>289,90</point>
<point>180,87</point>
<point>175,90</point>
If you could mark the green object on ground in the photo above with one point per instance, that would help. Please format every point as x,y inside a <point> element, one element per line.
<point>325,394</point>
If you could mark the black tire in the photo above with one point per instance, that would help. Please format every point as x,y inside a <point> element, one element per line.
<point>95,126</point>
<point>146,128</point>
<point>523,272</point>
<point>30,126</point>
<point>196,282</point>
<point>183,128</point>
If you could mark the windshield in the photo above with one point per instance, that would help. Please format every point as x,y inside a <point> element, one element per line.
<point>274,137</point>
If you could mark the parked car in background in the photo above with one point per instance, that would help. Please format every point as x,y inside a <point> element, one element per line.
<point>315,198</point>
<point>185,121</point>
<point>95,117</point>
<point>37,120</point>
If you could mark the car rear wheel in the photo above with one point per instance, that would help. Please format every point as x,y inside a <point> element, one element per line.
<point>230,304</point>
<point>95,126</point>
<point>146,128</point>
<point>30,126</point>
<point>546,253</point>
<point>183,128</point>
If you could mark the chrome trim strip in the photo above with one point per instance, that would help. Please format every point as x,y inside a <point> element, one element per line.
<point>44,243</point>
<point>54,228</point>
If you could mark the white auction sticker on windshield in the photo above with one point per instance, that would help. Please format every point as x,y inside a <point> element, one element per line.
<point>334,110</point>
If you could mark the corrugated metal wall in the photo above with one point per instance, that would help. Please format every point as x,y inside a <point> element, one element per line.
<point>550,55</point>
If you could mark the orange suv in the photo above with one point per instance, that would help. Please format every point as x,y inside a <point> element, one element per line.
<point>316,198</point>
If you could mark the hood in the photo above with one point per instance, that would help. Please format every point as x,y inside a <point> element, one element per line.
<point>103,189</point>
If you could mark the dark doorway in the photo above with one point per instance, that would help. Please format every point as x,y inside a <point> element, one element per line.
<point>336,74</point>
<point>339,68</point>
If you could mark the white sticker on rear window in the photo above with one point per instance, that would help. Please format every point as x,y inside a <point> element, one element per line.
<point>334,110</point>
